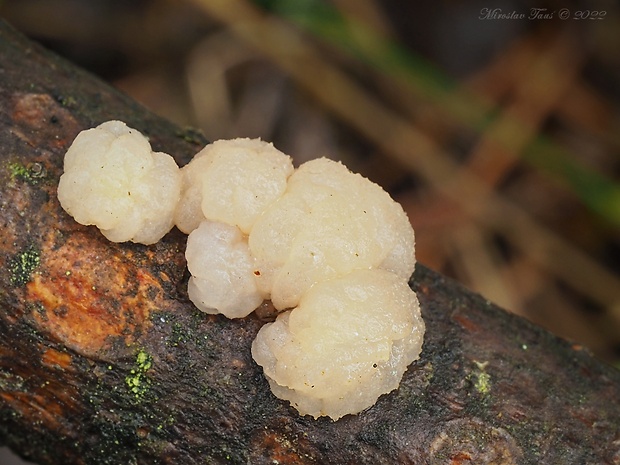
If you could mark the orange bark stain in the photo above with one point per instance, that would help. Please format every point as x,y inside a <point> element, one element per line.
<point>55,358</point>
<point>286,451</point>
<point>84,299</point>
<point>74,315</point>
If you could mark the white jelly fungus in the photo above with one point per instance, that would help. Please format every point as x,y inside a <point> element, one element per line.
<point>113,179</point>
<point>222,270</point>
<point>331,249</point>
<point>349,341</point>
<point>232,181</point>
<point>328,223</point>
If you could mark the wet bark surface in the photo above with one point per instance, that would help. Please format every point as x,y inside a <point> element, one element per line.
<point>103,359</point>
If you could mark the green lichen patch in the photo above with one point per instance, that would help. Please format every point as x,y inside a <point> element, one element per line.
<point>22,265</point>
<point>18,170</point>
<point>31,174</point>
<point>129,421</point>
<point>481,379</point>
<point>136,380</point>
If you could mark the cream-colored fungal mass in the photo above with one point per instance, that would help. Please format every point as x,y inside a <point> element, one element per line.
<point>232,181</point>
<point>328,223</point>
<point>112,179</point>
<point>222,268</point>
<point>332,250</point>
<point>349,341</point>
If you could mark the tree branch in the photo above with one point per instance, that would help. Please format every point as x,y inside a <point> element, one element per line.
<point>103,359</point>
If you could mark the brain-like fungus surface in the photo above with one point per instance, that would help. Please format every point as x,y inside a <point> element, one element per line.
<point>350,340</point>
<point>332,250</point>
<point>328,223</point>
<point>232,181</point>
<point>113,180</point>
<point>222,270</point>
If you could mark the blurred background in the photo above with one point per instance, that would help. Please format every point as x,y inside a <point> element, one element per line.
<point>494,123</point>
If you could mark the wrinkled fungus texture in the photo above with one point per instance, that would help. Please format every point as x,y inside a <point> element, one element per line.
<point>349,341</point>
<point>232,181</point>
<point>113,180</point>
<point>328,223</point>
<point>332,250</point>
<point>222,268</point>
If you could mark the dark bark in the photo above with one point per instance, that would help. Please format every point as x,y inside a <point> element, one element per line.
<point>103,360</point>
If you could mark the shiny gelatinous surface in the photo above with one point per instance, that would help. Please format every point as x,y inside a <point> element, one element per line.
<point>222,268</point>
<point>328,223</point>
<point>232,181</point>
<point>112,179</point>
<point>349,341</point>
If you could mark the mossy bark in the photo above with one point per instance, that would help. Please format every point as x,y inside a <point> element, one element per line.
<point>103,360</point>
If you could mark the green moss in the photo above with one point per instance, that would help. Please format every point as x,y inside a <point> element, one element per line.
<point>137,381</point>
<point>22,265</point>
<point>30,174</point>
<point>18,170</point>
